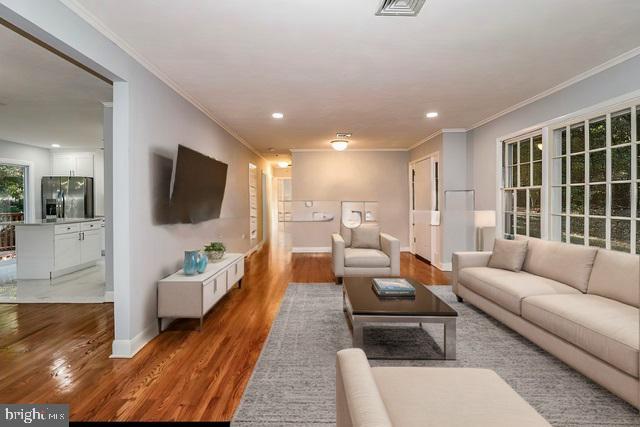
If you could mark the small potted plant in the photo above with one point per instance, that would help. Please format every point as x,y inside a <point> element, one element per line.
<point>215,251</point>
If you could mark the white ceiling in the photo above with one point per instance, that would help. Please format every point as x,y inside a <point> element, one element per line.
<point>45,100</point>
<point>333,65</point>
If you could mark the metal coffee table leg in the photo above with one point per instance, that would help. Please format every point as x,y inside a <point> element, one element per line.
<point>450,339</point>
<point>357,332</point>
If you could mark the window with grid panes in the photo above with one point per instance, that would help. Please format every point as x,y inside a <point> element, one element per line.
<point>522,179</point>
<point>594,182</point>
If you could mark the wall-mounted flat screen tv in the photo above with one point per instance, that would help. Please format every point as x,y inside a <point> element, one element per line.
<point>198,186</point>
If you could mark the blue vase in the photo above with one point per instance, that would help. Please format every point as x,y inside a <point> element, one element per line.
<point>202,262</point>
<point>190,265</point>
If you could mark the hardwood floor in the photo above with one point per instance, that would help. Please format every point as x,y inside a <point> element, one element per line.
<point>59,353</point>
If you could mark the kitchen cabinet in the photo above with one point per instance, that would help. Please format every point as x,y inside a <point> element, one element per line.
<point>73,164</point>
<point>45,250</point>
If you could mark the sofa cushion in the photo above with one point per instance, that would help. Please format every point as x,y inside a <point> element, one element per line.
<point>451,397</point>
<point>564,262</point>
<point>508,254</point>
<point>615,275</point>
<point>366,236</point>
<point>356,257</point>
<point>508,288</point>
<point>605,328</point>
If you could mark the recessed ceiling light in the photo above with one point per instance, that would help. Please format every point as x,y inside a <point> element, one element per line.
<point>283,165</point>
<point>432,115</point>
<point>277,115</point>
<point>339,145</point>
<point>55,145</point>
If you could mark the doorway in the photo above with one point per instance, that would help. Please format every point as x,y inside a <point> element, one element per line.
<point>424,209</point>
<point>13,201</point>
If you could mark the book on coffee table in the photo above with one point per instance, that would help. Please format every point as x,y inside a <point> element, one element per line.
<point>393,287</point>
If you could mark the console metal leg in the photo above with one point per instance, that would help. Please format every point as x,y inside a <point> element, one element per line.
<point>450,339</point>
<point>357,333</point>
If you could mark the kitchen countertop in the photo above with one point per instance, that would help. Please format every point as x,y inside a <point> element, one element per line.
<point>59,221</point>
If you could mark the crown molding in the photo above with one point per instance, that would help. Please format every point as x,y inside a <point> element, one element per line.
<point>99,26</point>
<point>331,150</point>
<point>578,78</point>
<point>437,133</point>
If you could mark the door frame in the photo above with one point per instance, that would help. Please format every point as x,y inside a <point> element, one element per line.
<point>29,186</point>
<point>435,157</point>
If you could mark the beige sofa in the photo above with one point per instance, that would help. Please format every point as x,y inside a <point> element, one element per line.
<point>410,396</point>
<point>578,303</point>
<point>349,262</point>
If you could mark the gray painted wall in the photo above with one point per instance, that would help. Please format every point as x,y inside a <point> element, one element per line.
<point>41,165</point>
<point>159,119</point>
<point>613,82</point>
<point>456,225</point>
<point>352,175</point>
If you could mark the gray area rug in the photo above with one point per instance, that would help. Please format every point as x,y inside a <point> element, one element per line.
<point>294,380</point>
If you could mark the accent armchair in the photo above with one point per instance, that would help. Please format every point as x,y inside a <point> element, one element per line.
<point>350,261</point>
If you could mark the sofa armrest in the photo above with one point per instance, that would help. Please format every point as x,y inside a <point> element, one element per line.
<point>467,259</point>
<point>337,254</point>
<point>391,246</point>
<point>358,401</point>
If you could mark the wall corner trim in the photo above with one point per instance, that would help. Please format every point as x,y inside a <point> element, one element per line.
<point>126,349</point>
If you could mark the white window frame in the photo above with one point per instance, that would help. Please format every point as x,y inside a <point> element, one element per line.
<point>607,113</point>
<point>515,188</point>
<point>629,101</point>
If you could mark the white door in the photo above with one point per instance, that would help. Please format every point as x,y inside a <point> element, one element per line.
<point>67,250</point>
<point>63,165</point>
<point>84,165</point>
<point>91,245</point>
<point>421,208</point>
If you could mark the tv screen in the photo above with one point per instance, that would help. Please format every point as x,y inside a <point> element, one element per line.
<point>198,186</point>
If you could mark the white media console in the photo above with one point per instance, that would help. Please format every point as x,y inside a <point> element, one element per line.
<point>182,296</point>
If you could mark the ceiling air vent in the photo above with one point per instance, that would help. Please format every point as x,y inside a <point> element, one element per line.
<point>399,7</point>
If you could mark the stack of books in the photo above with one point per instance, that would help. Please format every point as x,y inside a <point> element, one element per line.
<point>393,288</point>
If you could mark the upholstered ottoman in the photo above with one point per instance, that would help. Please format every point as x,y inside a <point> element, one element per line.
<point>377,397</point>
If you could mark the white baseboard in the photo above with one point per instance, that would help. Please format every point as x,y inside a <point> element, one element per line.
<point>126,349</point>
<point>310,249</point>
<point>254,249</point>
<point>405,249</point>
<point>443,266</point>
<point>108,296</point>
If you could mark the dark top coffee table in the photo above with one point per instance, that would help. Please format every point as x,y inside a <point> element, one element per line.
<point>363,306</point>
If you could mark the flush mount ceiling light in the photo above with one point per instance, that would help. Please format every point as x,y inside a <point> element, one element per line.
<point>432,115</point>
<point>277,115</point>
<point>283,164</point>
<point>399,7</point>
<point>55,145</point>
<point>339,144</point>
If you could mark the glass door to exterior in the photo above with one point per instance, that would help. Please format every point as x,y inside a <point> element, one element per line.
<point>12,204</point>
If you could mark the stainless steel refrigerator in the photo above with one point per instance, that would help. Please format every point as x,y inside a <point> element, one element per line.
<point>67,197</point>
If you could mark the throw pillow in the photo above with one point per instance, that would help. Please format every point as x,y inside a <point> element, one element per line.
<point>366,236</point>
<point>508,254</point>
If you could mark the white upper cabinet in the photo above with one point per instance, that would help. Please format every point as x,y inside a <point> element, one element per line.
<point>84,165</point>
<point>72,164</point>
<point>62,165</point>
